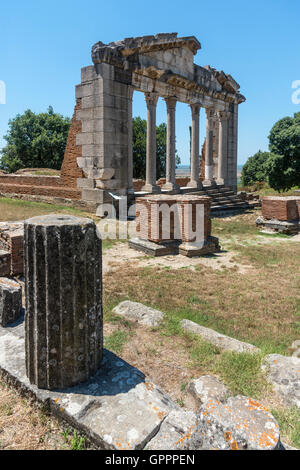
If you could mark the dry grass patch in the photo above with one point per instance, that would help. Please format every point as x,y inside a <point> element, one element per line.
<point>24,427</point>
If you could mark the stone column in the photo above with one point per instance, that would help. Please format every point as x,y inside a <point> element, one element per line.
<point>195,152</point>
<point>130,155</point>
<point>63,290</point>
<point>223,147</point>
<point>209,181</point>
<point>151,186</point>
<point>170,184</point>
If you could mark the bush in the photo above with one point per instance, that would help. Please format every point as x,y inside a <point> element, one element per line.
<point>35,141</point>
<point>254,169</point>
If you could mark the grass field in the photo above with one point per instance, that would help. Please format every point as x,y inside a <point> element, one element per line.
<point>258,303</point>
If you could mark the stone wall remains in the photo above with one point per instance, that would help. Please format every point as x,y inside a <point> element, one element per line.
<point>70,170</point>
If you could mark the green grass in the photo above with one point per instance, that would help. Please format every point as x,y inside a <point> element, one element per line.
<point>115,342</point>
<point>242,373</point>
<point>289,423</point>
<point>17,209</point>
<point>73,440</point>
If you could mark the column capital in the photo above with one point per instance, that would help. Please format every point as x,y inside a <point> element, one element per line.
<point>151,98</point>
<point>223,115</point>
<point>195,107</point>
<point>210,113</point>
<point>171,102</point>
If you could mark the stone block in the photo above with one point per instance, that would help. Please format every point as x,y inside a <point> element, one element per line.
<point>12,240</point>
<point>85,138</point>
<point>10,301</point>
<point>4,263</point>
<point>208,387</point>
<point>85,183</point>
<point>138,312</point>
<point>175,432</point>
<point>88,73</point>
<point>93,195</point>
<point>239,424</point>
<point>284,374</point>
<point>221,341</point>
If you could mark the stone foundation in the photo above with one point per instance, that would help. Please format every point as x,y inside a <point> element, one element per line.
<point>12,241</point>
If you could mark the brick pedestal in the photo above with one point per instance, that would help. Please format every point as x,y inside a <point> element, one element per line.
<point>280,214</point>
<point>281,208</point>
<point>169,224</point>
<point>63,291</point>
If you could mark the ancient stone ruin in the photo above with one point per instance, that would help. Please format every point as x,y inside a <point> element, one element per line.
<point>61,362</point>
<point>172,224</point>
<point>98,164</point>
<point>280,214</point>
<point>63,290</point>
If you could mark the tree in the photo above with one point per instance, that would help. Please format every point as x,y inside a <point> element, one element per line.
<point>254,169</point>
<point>283,166</point>
<point>35,141</point>
<point>139,138</point>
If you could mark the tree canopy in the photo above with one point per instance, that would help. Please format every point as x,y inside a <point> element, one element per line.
<point>281,166</point>
<point>35,141</point>
<point>254,169</point>
<point>139,137</point>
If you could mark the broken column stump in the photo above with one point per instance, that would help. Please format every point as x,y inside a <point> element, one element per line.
<point>10,301</point>
<point>63,289</point>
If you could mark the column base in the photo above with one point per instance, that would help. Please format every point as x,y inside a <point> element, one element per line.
<point>220,182</point>
<point>209,183</point>
<point>171,188</point>
<point>151,188</point>
<point>194,184</point>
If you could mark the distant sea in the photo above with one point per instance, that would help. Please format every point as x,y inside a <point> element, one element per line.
<point>185,170</point>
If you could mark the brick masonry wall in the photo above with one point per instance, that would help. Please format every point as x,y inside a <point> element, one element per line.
<point>59,191</point>
<point>54,181</point>
<point>193,221</point>
<point>180,219</point>
<point>281,208</point>
<point>69,169</point>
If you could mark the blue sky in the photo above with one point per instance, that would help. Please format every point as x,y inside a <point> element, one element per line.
<point>43,45</point>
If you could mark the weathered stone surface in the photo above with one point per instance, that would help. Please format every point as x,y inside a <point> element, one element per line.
<point>295,348</point>
<point>139,312</point>
<point>278,226</point>
<point>10,301</point>
<point>239,424</point>
<point>208,387</point>
<point>63,287</point>
<point>284,374</point>
<point>219,340</point>
<point>119,408</point>
<point>175,432</point>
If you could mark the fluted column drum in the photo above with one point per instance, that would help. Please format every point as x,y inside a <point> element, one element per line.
<point>63,289</point>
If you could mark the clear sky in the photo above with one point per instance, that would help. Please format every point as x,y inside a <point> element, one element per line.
<point>43,45</point>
